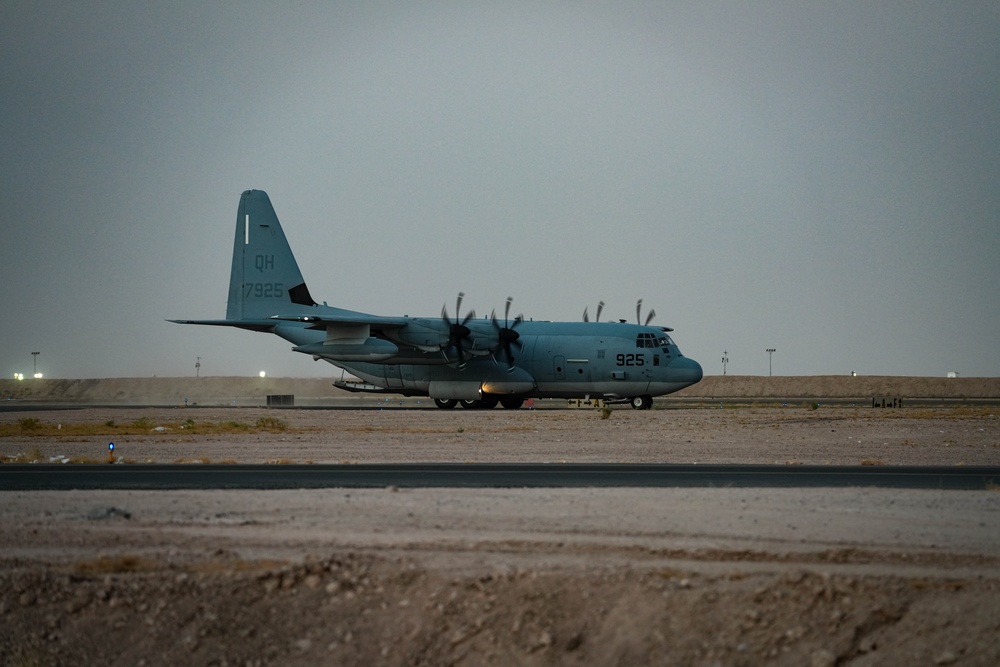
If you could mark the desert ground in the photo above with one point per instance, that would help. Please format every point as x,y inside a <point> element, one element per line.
<point>503,576</point>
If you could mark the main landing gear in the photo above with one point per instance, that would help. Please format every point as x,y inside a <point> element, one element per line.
<point>484,404</point>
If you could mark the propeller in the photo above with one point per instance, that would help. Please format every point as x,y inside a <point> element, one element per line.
<point>506,334</point>
<point>457,330</point>
<point>597,317</point>
<point>638,314</point>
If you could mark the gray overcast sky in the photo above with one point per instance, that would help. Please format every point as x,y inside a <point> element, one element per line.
<point>821,178</point>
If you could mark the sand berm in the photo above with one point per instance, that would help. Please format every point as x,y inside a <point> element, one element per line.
<point>243,391</point>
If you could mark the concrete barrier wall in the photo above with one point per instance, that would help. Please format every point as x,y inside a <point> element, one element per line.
<point>840,386</point>
<point>169,391</point>
<point>317,391</point>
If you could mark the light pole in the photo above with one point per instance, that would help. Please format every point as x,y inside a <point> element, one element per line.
<point>769,351</point>
<point>197,367</point>
<point>725,360</point>
<point>34,363</point>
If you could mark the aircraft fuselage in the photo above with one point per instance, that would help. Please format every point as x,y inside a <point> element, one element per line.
<point>559,360</point>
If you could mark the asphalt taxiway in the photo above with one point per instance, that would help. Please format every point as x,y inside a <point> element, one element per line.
<point>457,475</point>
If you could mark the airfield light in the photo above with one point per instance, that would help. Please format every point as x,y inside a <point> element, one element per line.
<point>18,376</point>
<point>38,376</point>
<point>262,373</point>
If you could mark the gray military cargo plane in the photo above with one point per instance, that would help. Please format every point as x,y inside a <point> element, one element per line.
<point>476,362</point>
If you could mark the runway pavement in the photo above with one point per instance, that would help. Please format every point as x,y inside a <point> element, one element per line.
<point>443,475</point>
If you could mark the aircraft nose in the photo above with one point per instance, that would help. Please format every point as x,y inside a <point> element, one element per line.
<point>685,370</point>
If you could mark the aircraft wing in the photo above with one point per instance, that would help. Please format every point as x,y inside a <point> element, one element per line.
<point>350,319</point>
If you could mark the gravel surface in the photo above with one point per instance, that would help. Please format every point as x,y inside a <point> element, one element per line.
<point>500,576</point>
<point>850,436</point>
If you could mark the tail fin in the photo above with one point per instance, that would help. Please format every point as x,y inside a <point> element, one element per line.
<point>265,278</point>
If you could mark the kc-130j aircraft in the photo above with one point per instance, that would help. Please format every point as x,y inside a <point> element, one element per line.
<point>477,362</point>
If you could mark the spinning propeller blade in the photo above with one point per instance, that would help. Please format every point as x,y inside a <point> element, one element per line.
<point>597,318</point>
<point>506,334</point>
<point>457,330</point>
<point>638,314</point>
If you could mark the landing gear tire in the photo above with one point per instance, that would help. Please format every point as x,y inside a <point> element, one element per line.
<point>511,403</point>
<point>644,402</point>
<point>484,404</point>
<point>445,403</point>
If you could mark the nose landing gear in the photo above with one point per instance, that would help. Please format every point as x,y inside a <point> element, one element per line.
<point>644,402</point>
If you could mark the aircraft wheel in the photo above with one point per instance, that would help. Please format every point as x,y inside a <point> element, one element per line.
<point>484,404</point>
<point>511,403</point>
<point>445,403</point>
<point>644,402</point>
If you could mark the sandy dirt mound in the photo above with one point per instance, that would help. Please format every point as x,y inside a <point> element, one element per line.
<point>351,610</point>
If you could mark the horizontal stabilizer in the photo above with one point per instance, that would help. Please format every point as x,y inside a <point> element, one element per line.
<point>264,326</point>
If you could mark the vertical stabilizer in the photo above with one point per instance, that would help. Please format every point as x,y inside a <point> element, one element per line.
<point>265,278</point>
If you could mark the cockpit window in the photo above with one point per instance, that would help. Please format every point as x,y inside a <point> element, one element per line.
<point>646,340</point>
<point>664,341</point>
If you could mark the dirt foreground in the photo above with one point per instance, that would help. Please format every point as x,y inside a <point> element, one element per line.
<point>504,576</point>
